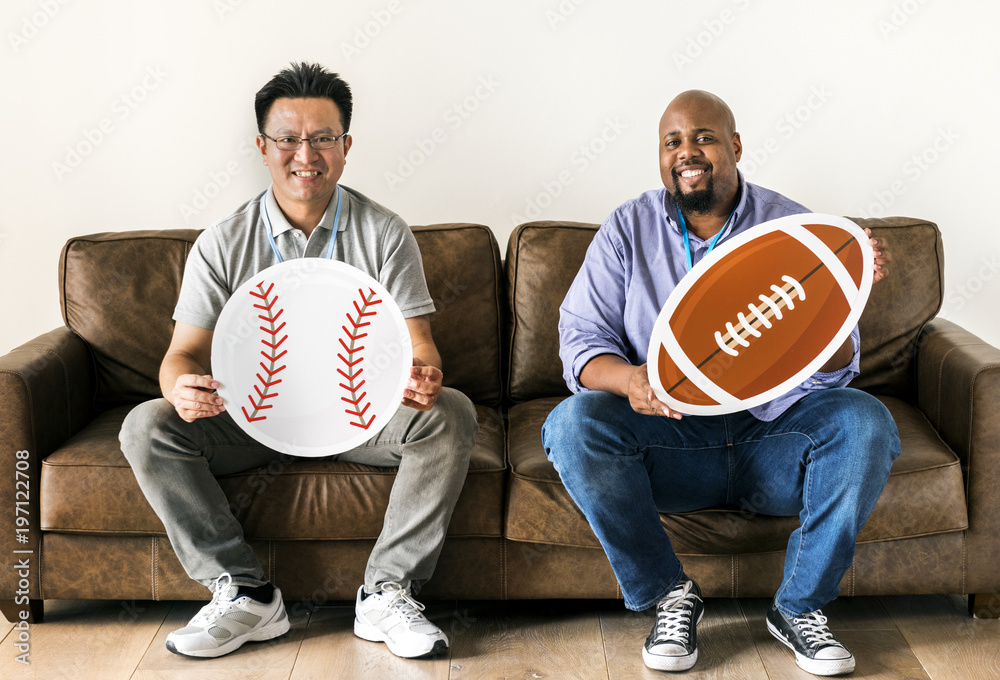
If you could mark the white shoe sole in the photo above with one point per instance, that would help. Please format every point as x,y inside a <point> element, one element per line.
<point>367,631</point>
<point>672,663</point>
<point>669,663</point>
<point>814,666</point>
<point>267,632</point>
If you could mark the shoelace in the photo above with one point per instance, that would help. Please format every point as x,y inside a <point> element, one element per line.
<point>400,601</point>
<point>814,628</point>
<point>219,604</point>
<point>673,615</point>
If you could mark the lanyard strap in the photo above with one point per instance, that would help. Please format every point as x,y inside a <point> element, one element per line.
<point>687,239</point>
<point>270,235</point>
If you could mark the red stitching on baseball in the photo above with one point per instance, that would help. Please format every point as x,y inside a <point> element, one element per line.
<point>351,361</point>
<point>272,356</point>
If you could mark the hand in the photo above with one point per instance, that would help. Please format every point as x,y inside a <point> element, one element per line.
<point>423,387</point>
<point>194,397</point>
<point>882,257</point>
<point>643,399</point>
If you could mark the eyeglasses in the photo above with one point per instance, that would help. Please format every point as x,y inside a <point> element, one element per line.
<point>320,143</point>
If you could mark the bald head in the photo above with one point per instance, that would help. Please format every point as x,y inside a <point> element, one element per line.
<point>703,105</point>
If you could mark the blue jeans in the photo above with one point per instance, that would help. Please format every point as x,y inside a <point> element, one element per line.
<point>826,460</point>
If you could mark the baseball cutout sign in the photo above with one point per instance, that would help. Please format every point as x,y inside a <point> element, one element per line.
<point>312,357</point>
<point>760,314</point>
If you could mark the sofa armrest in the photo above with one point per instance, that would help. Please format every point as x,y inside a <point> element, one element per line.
<point>46,388</point>
<point>958,389</point>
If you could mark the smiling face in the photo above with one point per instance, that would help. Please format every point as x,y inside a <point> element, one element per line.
<point>699,149</point>
<point>304,179</point>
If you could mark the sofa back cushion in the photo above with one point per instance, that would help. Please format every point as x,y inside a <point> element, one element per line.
<point>900,305</point>
<point>465,277</point>
<point>118,291</point>
<point>543,258</point>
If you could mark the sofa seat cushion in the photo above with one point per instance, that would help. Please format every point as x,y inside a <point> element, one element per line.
<point>87,486</point>
<point>924,495</point>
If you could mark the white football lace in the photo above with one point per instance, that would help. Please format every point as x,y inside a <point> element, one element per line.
<point>814,629</point>
<point>401,602</point>
<point>673,615</point>
<point>771,306</point>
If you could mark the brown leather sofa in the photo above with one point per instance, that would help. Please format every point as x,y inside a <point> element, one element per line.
<point>89,534</point>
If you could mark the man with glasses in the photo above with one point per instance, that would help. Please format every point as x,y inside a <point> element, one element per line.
<point>178,444</point>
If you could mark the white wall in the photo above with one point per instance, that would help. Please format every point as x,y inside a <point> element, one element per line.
<point>540,110</point>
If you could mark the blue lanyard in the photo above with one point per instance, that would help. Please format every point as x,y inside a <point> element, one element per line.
<point>270,236</point>
<point>687,240</point>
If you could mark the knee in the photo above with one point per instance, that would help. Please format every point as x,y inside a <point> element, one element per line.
<point>576,421</point>
<point>142,426</point>
<point>870,427</point>
<point>457,415</point>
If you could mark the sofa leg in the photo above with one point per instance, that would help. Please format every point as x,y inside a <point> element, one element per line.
<point>985,605</point>
<point>13,611</point>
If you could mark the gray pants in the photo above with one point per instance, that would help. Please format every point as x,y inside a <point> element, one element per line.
<point>176,464</point>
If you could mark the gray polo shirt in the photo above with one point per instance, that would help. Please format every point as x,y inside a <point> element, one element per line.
<point>370,237</point>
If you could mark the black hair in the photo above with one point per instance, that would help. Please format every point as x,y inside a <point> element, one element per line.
<point>300,81</point>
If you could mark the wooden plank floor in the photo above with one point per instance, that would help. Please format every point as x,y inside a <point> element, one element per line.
<point>902,638</point>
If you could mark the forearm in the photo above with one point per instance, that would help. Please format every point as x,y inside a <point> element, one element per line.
<point>427,352</point>
<point>840,359</point>
<point>174,365</point>
<point>608,373</point>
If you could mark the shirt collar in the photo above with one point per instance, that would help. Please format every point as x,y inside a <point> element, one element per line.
<point>279,224</point>
<point>670,207</point>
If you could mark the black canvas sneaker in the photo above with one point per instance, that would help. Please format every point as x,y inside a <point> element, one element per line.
<point>672,644</point>
<point>816,650</point>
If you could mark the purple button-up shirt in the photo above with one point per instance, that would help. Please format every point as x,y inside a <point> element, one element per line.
<point>631,267</point>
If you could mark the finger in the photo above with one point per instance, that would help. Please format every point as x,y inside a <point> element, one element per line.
<point>427,393</point>
<point>418,405</point>
<point>426,372</point>
<point>198,381</point>
<point>662,409</point>
<point>191,416</point>
<point>195,396</point>
<point>429,384</point>
<point>202,407</point>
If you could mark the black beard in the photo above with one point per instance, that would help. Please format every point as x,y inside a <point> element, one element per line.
<point>701,201</point>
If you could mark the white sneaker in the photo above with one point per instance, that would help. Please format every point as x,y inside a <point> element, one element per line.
<point>228,621</point>
<point>392,616</point>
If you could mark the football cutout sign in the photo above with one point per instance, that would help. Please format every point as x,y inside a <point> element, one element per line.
<point>760,314</point>
<point>312,357</point>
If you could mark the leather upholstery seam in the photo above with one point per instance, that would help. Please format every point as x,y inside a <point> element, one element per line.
<point>965,559</point>
<point>944,359</point>
<point>972,405</point>
<point>503,569</point>
<point>511,304</point>
<point>41,562</point>
<point>152,565</point>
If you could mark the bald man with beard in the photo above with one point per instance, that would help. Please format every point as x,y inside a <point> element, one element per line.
<point>821,452</point>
